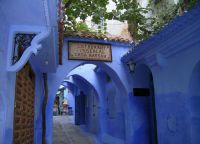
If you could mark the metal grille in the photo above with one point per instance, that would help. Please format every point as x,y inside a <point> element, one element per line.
<point>22,41</point>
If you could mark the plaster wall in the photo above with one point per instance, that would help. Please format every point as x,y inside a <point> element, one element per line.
<point>173,96</point>
<point>23,15</point>
<point>3,75</point>
<point>115,69</point>
<point>7,86</point>
<point>39,96</point>
<point>70,99</point>
<point>173,56</point>
<point>115,116</point>
<point>8,94</point>
<point>112,124</point>
<point>9,17</point>
<point>91,123</point>
<point>141,115</point>
<point>27,12</point>
<point>92,103</point>
<point>94,106</point>
<point>92,96</point>
<point>111,128</point>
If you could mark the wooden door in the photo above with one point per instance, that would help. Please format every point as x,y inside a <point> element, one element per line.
<point>24,106</point>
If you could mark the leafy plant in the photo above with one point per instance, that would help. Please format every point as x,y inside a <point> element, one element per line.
<point>137,17</point>
<point>73,9</point>
<point>82,26</point>
<point>142,22</point>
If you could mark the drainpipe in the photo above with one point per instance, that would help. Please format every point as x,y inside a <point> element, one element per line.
<point>44,108</point>
<point>45,35</point>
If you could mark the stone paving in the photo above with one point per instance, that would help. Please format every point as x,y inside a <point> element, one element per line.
<point>65,132</point>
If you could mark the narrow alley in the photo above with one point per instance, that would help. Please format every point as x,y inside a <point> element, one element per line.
<point>100,71</point>
<point>65,132</point>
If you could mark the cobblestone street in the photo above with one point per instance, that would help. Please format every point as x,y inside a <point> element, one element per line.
<point>65,132</point>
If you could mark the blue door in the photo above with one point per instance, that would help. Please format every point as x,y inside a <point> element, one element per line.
<point>80,102</point>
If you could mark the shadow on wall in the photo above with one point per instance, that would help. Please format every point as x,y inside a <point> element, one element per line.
<point>194,104</point>
<point>115,119</point>
<point>86,103</point>
<point>54,80</point>
<point>91,99</point>
<point>143,101</point>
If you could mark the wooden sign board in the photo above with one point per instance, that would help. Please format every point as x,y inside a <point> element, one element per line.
<point>89,51</point>
<point>141,91</point>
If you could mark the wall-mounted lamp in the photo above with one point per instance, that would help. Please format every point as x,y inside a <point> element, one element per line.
<point>131,66</point>
<point>46,62</point>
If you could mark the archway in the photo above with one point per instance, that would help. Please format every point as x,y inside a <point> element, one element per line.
<point>143,100</point>
<point>54,79</point>
<point>71,92</point>
<point>194,104</point>
<point>86,116</point>
<point>115,117</point>
<point>115,69</point>
<point>89,94</point>
<point>111,105</point>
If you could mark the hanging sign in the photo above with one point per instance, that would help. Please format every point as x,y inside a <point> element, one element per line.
<point>89,51</point>
<point>141,91</point>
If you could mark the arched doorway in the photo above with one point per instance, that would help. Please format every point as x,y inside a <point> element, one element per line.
<point>115,117</point>
<point>114,68</point>
<point>111,107</point>
<point>86,113</point>
<point>88,98</point>
<point>194,104</point>
<point>101,69</point>
<point>143,100</point>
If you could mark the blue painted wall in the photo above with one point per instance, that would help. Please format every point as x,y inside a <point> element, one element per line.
<point>142,115</point>
<point>19,14</point>
<point>117,74</point>
<point>105,115</point>
<point>194,104</point>
<point>70,99</point>
<point>114,111</point>
<point>172,56</point>
<point>3,87</point>
<point>91,108</point>
<point>10,22</point>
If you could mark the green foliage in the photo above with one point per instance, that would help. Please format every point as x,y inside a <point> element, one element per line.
<point>187,4</point>
<point>136,16</point>
<point>81,26</point>
<point>142,22</point>
<point>161,18</point>
<point>82,9</point>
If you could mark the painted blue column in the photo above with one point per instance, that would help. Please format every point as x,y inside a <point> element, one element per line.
<point>39,95</point>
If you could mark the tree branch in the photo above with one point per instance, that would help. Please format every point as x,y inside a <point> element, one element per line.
<point>67,4</point>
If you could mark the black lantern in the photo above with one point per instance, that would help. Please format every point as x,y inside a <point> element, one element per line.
<point>131,66</point>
